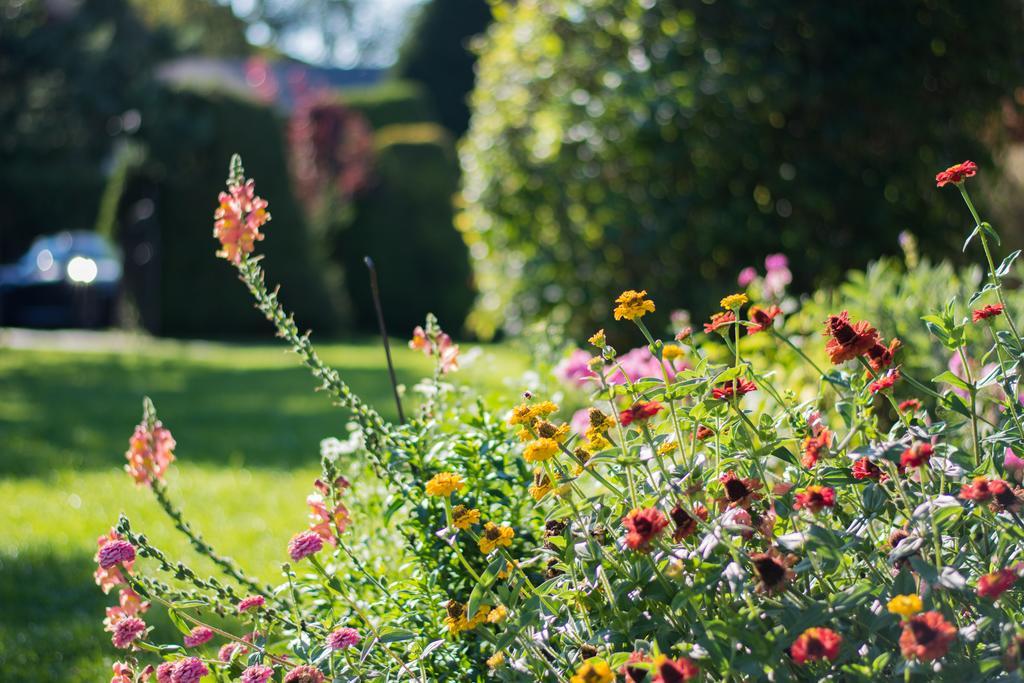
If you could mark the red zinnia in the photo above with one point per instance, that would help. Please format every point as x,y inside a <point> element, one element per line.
<point>762,318</point>
<point>773,570</point>
<point>995,584</point>
<point>815,498</point>
<point>704,432</point>
<point>719,320</point>
<point>917,455</point>
<point>1005,497</point>
<point>639,411</point>
<point>881,356</point>
<point>886,381</point>
<point>674,670</point>
<point>737,387</point>
<point>685,523</point>
<point>987,312</point>
<point>634,674</point>
<point>926,636</point>
<point>911,404</point>
<point>740,492</point>
<point>981,489</point>
<point>847,341</point>
<point>865,469</point>
<point>813,447</point>
<point>816,643</point>
<point>642,526</point>
<point>956,174</point>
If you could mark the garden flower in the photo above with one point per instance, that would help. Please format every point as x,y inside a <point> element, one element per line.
<point>455,620</point>
<point>956,174</point>
<point>886,381</point>
<point>497,615</point>
<point>926,636</point>
<point>127,631</point>
<point>762,318</point>
<point>911,404</point>
<point>740,492</point>
<point>444,484</point>
<point>815,644</point>
<point>257,673</point>
<point>634,674</point>
<point>322,521</point>
<point>540,450</point>
<point>593,671</point>
<point>917,455</point>
<point>814,446</point>
<point>704,432</point>
<point>847,341</point>
<point>496,660</point>
<point>1013,465</point>
<point>981,489</point>
<point>906,605</point>
<point>671,352</point>
<point>541,484</point>
<point>342,638</point>
<point>130,604</point>
<point>863,468</point>
<point>633,305</point>
<point>149,453</point>
<point>986,312</point>
<point>123,673</point>
<point>228,650</point>
<point>575,369</point>
<point>674,670</point>
<point>238,219</point>
<point>495,536</point>
<point>304,544</point>
<point>815,498</point>
<point>639,412</point>
<point>305,674</point>
<point>464,517</point>
<point>773,570</point>
<point>200,635</point>
<point>116,551</point>
<point>746,276</point>
<point>995,584</point>
<point>164,672</point>
<point>881,356</point>
<point>734,301</point>
<point>684,334</point>
<point>685,524</point>
<point>598,339</point>
<point>737,387</point>
<point>251,602</point>
<point>719,320</point>
<point>643,525</point>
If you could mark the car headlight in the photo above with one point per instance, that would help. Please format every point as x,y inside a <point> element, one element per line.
<point>82,270</point>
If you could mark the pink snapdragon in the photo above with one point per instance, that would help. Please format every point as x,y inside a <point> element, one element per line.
<point>304,544</point>
<point>257,673</point>
<point>239,216</point>
<point>442,346</point>
<point>251,602</point>
<point>130,604</point>
<point>149,453</point>
<point>322,519</point>
<point>200,635</point>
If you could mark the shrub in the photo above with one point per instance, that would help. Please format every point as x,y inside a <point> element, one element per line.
<point>702,524</point>
<point>672,142</point>
<point>390,102</point>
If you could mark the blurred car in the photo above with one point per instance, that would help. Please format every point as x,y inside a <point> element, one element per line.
<point>70,279</point>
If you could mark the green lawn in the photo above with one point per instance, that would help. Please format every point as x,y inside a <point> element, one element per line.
<point>248,427</point>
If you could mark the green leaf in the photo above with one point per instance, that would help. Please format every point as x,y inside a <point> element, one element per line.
<point>949,378</point>
<point>178,622</point>
<point>394,635</point>
<point>1004,267</point>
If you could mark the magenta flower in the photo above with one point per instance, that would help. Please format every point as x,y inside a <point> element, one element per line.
<point>188,670</point>
<point>199,636</point>
<point>304,544</point>
<point>257,673</point>
<point>305,674</point>
<point>575,369</point>
<point>164,671</point>
<point>251,602</point>
<point>776,262</point>
<point>639,363</point>
<point>149,453</point>
<point>115,552</point>
<point>127,631</point>
<point>1013,465</point>
<point>343,638</point>
<point>747,275</point>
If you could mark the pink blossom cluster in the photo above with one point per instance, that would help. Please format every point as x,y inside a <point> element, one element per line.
<point>304,544</point>
<point>113,551</point>
<point>238,219</point>
<point>634,365</point>
<point>149,453</point>
<point>776,278</point>
<point>441,346</point>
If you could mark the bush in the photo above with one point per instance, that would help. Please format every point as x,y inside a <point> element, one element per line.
<point>671,145</point>
<point>389,103</point>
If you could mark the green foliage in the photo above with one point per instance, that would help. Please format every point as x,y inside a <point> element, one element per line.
<point>390,102</point>
<point>437,54</point>
<point>404,223</point>
<point>666,147</point>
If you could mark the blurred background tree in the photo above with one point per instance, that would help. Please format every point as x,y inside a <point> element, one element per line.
<point>666,145</point>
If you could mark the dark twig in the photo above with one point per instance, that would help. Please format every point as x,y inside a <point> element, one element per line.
<point>384,334</point>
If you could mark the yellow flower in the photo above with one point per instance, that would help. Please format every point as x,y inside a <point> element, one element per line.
<point>633,305</point>
<point>480,617</point>
<point>524,435</point>
<point>541,484</point>
<point>444,484</point>
<point>455,620</point>
<point>497,614</point>
<point>905,605</point>
<point>507,571</point>
<point>672,351</point>
<point>540,450</point>
<point>495,537</point>
<point>521,414</point>
<point>734,301</point>
<point>543,409</point>
<point>496,660</point>
<point>596,440</point>
<point>598,339</point>
<point>666,448</point>
<point>464,517</point>
<point>594,671</point>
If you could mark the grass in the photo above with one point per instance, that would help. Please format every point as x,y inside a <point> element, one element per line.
<point>248,428</point>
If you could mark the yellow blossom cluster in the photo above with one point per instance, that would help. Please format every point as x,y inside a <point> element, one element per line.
<point>632,305</point>
<point>495,536</point>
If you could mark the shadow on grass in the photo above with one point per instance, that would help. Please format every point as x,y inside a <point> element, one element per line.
<point>77,411</point>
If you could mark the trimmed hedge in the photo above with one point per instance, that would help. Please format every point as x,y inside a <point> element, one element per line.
<point>389,103</point>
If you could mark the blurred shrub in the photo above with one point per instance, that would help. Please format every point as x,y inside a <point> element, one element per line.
<point>189,139</point>
<point>663,148</point>
<point>437,55</point>
<point>404,222</point>
<point>390,102</point>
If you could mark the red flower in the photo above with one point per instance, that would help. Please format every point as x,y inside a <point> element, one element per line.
<point>685,523</point>
<point>684,334</point>
<point>986,312</point>
<point>639,411</point>
<point>917,455</point>
<point>956,174</point>
<point>704,432</point>
<point>865,469</point>
<point>674,670</point>
<point>719,320</point>
<point>738,387</point>
<point>814,644</point>
<point>911,404</point>
<point>1005,497</point>
<point>762,318</point>
<point>815,498</point>
<point>881,356</point>
<point>740,492</point>
<point>773,570</point>
<point>981,489</point>
<point>642,526</point>
<point>886,381</point>
<point>995,584</point>
<point>847,341</point>
<point>926,636</point>
<point>634,674</point>
<point>813,447</point>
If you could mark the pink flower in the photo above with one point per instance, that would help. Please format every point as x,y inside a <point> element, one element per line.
<point>227,651</point>
<point>251,602</point>
<point>1013,465</point>
<point>127,631</point>
<point>580,421</point>
<point>164,671</point>
<point>441,345</point>
<point>257,673</point>
<point>322,520</point>
<point>123,673</point>
<point>115,552</point>
<point>149,453</point>
<point>343,638</point>
<point>776,262</point>
<point>640,363</point>
<point>188,670</point>
<point>110,576</point>
<point>305,674</point>
<point>238,219</point>
<point>304,544</point>
<point>199,636</point>
<point>747,275</point>
<point>130,605</point>
<point>575,369</point>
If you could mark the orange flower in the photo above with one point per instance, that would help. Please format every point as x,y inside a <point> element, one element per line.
<point>847,341</point>
<point>956,174</point>
<point>926,636</point>
<point>762,318</point>
<point>816,643</point>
